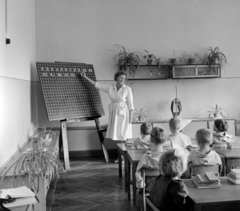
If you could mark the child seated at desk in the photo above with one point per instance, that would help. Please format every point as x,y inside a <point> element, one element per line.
<point>204,156</point>
<point>220,128</point>
<point>167,191</point>
<point>177,138</point>
<point>144,141</point>
<point>151,158</point>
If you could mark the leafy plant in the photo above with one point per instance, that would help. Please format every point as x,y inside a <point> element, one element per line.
<point>217,111</point>
<point>214,56</point>
<point>189,58</point>
<point>139,116</point>
<point>38,160</point>
<point>151,58</point>
<point>125,58</point>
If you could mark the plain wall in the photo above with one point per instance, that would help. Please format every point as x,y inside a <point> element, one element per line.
<point>18,106</point>
<point>87,31</point>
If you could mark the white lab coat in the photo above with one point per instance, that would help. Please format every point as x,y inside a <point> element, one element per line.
<point>119,127</point>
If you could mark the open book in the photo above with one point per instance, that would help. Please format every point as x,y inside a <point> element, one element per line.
<point>21,195</point>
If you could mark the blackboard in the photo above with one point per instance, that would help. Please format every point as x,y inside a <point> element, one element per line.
<point>66,94</point>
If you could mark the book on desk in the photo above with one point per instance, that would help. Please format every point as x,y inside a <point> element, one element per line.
<point>208,180</point>
<point>234,176</point>
<point>19,196</point>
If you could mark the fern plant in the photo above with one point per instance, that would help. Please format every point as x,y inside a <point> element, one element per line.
<point>214,56</point>
<point>37,161</point>
<point>125,58</point>
<point>217,112</point>
<point>139,116</point>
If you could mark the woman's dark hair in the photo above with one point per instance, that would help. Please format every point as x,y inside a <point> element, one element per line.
<point>120,72</point>
<point>221,125</point>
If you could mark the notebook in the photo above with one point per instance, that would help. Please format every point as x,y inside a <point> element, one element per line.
<point>18,192</point>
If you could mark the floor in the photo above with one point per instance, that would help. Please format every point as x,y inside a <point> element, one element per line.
<point>90,185</point>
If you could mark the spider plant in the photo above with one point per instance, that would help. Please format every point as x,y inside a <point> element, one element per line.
<point>216,112</point>
<point>37,161</point>
<point>214,56</point>
<point>125,58</point>
<point>139,116</point>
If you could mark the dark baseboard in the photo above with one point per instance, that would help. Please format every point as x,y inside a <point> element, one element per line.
<point>91,153</point>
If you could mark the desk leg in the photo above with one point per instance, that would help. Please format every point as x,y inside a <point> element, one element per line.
<point>128,180</point>
<point>125,169</point>
<point>134,167</point>
<point>228,166</point>
<point>119,164</point>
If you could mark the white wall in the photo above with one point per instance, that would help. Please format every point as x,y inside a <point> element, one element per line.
<point>18,106</point>
<point>86,31</point>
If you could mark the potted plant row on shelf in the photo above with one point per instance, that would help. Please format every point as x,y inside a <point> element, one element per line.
<point>130,61</point>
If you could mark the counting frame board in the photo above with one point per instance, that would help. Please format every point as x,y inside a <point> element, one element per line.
<point>67,95</point>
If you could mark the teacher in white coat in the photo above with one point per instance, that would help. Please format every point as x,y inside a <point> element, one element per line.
<point>121,106</point>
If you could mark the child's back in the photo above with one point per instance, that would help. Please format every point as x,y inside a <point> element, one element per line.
<point>204,156</point>
<point>177,138</point>
<point>151,158</point>
<point>167,192</point>
<point>143,142</point>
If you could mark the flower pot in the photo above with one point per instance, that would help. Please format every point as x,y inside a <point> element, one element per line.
<point>149,61</point>
<point>173,60</point>
<point>191,60</point>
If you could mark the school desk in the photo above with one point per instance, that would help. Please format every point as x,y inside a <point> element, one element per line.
<point>133,157</point>
<point>225,198</point>
<point>232,158</point>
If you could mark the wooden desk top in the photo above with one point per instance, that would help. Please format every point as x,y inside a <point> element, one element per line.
<point>124,147</point>
<point>135,155</point>
<point>229,153</point>
<point>228,192</point>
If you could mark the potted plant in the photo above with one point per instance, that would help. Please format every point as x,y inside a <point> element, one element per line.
<point>173,58</point>
<point>214,56</point>
<point>139,116</point>
<point>37,161</point>
<point>151,58</point>
<point>188,58</point>
<point>217,112</point>
<point>125,58</point>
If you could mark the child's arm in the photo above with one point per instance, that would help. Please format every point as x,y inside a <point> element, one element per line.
<point>139,177</point>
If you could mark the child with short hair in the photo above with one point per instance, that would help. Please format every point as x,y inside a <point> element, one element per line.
<point>144,141</point>
<point>177,138</point>
<point>150,159</point>
<point>220,134</point>
<point>167,191</point>
<point>204,156</point>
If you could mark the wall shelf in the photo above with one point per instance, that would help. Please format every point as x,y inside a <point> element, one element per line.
<point>196,71</point>
<point>150,72</point>
<point>155,72</point>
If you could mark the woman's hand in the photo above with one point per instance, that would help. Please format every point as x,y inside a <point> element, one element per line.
<point>83,74</point>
